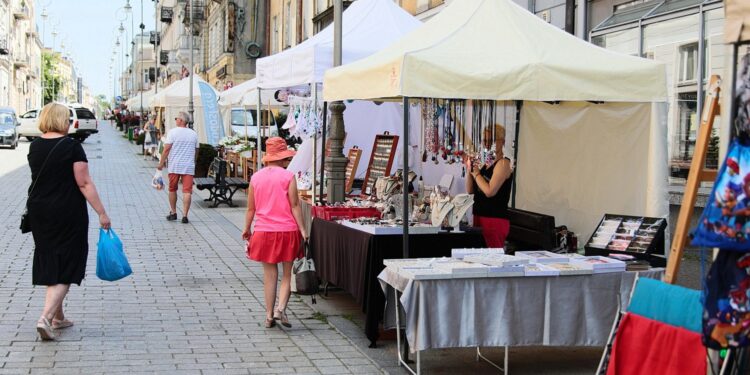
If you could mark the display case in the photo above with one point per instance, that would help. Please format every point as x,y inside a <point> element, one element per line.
<point>381,160</point>
<point>351,167</point>
<point>638,236</point>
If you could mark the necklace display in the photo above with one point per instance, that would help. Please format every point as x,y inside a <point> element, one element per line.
<point>445,135</point>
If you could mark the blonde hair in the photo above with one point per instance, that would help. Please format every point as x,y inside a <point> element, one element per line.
<point>55,117</point>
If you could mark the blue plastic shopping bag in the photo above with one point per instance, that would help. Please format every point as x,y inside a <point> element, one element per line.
<point>111,262</point>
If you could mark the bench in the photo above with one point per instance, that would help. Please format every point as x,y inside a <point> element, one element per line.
<point>220,187</point>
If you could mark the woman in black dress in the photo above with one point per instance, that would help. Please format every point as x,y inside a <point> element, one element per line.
<point>61,185</point>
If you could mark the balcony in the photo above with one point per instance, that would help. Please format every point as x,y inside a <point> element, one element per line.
<point>167,13</point>
<point>21,13</point>
<point>154,38</point>
<point>4,50</point>
<point>20,60</point>
<point>164,57</point>
<point>199,12</point>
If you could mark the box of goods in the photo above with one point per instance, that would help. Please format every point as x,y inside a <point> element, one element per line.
<point>639,236</point>
<point>542,256</point>
<point>397,264</point>
<point>571,268</point>
<point>460,269</point>
<point>417,273</point>
<point>600,264</point>
<point>508,271</point>
<point>461,253</point>
<point>498,260</point>
<point>539,269</point>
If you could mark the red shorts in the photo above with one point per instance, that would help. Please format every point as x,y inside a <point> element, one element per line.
<point>187,182</point>
<point>275,247</point>
<point>494,230</point>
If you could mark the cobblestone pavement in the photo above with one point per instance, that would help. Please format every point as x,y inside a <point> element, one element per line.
<point>193,304</point>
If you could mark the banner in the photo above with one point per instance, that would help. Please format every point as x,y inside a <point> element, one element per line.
<point>211,114</point>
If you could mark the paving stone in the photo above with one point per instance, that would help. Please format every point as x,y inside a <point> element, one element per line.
<point>194,303</point>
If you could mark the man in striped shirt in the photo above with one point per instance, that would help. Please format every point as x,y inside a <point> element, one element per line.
<point>179,153</point>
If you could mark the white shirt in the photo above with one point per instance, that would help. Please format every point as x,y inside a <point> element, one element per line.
<point>184,141</point>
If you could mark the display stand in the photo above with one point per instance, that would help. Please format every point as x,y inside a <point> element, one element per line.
<point>353,157</point>
<point>640,237</point>
<point>381,160</point>
<point>697,174</point>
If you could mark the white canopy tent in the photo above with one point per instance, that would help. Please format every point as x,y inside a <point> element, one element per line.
<point>368,26</point>
<point>244,95</point>
<point>175,98</point>
<point>576,160</point>
<point>134,103</point>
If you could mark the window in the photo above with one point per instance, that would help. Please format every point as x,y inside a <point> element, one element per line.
<point>29,114</point>
<point>145,77</point>
<point>84,114</point>
<point>688,63</point>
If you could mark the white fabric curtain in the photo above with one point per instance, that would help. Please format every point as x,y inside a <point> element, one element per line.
<point>578,161</point>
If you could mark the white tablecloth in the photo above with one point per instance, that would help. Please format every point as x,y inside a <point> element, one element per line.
<point>512,311</point>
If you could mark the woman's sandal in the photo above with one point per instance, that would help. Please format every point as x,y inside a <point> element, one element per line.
<point>61,324</point>
<point>45,330</point>
<point>270,323</point>
<point>280,315</point>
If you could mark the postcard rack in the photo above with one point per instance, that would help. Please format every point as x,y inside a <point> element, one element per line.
<point>381,160</point>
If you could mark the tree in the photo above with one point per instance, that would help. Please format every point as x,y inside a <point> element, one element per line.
<point>52,79</point>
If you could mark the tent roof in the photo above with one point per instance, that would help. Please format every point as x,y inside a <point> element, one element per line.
<point>135,101</point>
<point>178,93</point>
<point>494,49</point>
<point>368,26</point>
<point>246,94</point>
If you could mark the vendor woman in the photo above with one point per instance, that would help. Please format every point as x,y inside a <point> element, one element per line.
<point>491,185</point>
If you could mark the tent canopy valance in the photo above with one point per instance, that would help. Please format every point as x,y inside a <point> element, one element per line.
<point>494,49</point>
<point>178,93</point>
<point>368,26</point>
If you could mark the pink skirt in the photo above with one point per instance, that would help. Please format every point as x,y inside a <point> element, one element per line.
<point>274,247</point>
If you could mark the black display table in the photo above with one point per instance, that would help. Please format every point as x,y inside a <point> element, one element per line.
<point>352,259</point>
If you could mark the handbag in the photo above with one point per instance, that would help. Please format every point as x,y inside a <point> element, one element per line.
<point>305,277</point>
<point>725,222</point>
<point>25,220</point>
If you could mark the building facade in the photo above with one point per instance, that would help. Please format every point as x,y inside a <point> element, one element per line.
<point>20,56</point>
<point>174,49</point>
<point>233,34</point>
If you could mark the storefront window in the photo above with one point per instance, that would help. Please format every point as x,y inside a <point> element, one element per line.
<point>625,41</point>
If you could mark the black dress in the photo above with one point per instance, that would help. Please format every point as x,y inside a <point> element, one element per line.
<point>58,213</point>
<point>497,205</point>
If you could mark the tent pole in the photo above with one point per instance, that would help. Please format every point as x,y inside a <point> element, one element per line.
<point>519,104</point>
<point>315,147</point>
<point>258,150</point>
<point>244,119</point>
<point>405,186</point>
<point>323,158</point>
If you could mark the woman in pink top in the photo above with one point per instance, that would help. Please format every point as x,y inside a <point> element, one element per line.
<point>276,236</point>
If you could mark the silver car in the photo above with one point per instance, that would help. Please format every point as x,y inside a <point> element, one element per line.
<point>8,127</point>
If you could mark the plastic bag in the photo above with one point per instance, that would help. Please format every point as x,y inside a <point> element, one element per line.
<point>111,262</point>
<point>157,182</point>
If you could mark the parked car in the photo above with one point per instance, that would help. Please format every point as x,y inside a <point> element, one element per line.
<point>29,127</point>
<point>83,123</point>
<point>238,123</point>
<point>8,127</point>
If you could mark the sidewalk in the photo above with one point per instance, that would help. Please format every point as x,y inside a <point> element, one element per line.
<point>192,306</point>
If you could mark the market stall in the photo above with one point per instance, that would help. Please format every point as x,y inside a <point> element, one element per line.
<point>589,124</point>
<point>368,26</point>
<point>207,120</point>
<point>591,137</point>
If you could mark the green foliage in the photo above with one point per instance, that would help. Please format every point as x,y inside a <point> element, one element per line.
<point>52,79</point>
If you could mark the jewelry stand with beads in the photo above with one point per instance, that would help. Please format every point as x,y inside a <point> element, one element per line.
<point>381,160</point>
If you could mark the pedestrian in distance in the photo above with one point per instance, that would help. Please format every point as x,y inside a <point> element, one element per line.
<point>180,148</point>
<point>150,141</point>
<point>273,203</point>
<point>61,186</point>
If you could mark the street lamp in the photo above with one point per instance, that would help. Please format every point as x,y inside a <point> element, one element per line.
<point>54,37</point>
<point>44,22</point>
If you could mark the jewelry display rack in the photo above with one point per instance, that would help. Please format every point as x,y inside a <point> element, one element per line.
<point>381,160</point>
<point>355,153</point>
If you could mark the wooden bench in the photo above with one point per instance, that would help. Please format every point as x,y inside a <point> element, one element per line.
<point>220,187</point>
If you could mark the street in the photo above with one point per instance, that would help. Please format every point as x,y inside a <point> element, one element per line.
<point>192,305</point>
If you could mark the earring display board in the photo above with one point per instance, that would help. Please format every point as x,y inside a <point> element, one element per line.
<point>353,157</point>
<point>381,160</point>
<point>638,236</point>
